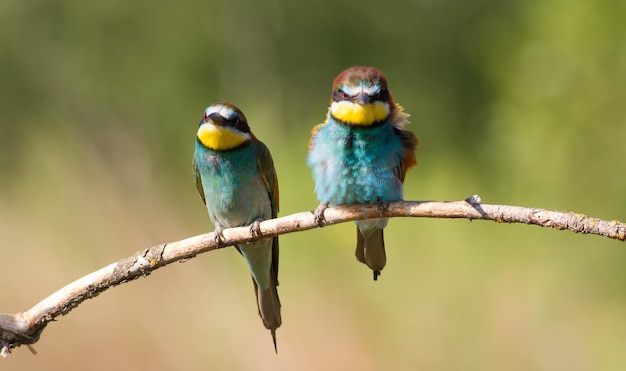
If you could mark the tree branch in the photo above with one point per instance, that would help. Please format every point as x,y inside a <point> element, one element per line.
<point>25,328</point>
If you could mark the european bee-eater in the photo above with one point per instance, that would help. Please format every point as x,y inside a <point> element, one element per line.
<point>361,153</point>
<point>236,179</point>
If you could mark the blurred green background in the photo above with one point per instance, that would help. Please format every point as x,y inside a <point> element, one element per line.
<point>521,102</point>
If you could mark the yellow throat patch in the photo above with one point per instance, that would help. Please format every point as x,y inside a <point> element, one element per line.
<point>220,138</point>
<point>356,114</point>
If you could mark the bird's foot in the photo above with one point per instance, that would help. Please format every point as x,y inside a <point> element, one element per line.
<point>219,235</point>
<point>383,208</point>
<point>318,214</point>
<point>474,200</point>
<point>255,227</point>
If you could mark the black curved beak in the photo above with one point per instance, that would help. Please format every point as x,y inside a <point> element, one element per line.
<point>215,118</point>
<point>362,99</point>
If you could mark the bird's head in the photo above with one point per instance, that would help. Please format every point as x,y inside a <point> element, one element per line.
<point>223,127</point>
<point>361,97</point>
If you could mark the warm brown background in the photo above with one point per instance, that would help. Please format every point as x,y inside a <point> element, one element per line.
<point>521,102</point>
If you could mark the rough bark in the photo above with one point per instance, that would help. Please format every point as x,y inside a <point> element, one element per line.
<point>24,328</point>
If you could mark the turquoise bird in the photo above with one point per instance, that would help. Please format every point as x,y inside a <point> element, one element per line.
<point>361,154</point>
<point>236,179</point>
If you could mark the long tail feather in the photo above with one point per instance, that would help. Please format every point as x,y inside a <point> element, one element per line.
<point>371,251</point>
<point>268,305</point>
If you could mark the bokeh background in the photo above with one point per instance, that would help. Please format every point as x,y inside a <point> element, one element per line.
<point>521,102</point>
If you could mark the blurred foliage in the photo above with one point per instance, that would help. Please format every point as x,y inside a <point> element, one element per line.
<point>518,101</point>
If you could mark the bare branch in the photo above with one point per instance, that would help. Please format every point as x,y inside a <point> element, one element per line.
<point>26,327</point>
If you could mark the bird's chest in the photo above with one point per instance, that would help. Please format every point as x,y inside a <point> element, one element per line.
<point>359,153</point>
<point>358,165</point>
<point>234,190</point>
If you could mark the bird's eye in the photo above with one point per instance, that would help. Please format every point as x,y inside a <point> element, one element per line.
<point>233,122</point>
<point>382,95</point>
<point>342,95</point>
<point>238,123</point>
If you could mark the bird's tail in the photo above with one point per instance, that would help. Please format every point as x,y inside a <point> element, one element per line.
<point>371,250</point>
<point>269,308</point>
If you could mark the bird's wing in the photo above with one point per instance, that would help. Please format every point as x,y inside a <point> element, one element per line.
<point>314,131</point>
<point>198,179</point>
<point>268,173</point>
<point>399,119</point>
<point>409,158</point>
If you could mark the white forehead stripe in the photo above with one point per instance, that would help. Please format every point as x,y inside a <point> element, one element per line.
<point>224,111</point>
<point>361,88</point>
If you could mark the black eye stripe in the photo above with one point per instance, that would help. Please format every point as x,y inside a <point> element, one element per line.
<point>382,95</point>
<point>239,124</point>
<point>340,95</point>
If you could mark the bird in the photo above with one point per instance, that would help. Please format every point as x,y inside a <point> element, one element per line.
<point>361,153</point>
<point>235,176</point>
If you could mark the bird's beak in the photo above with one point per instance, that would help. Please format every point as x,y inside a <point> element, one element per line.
<point>362,99</point>
<point>215,119</point>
